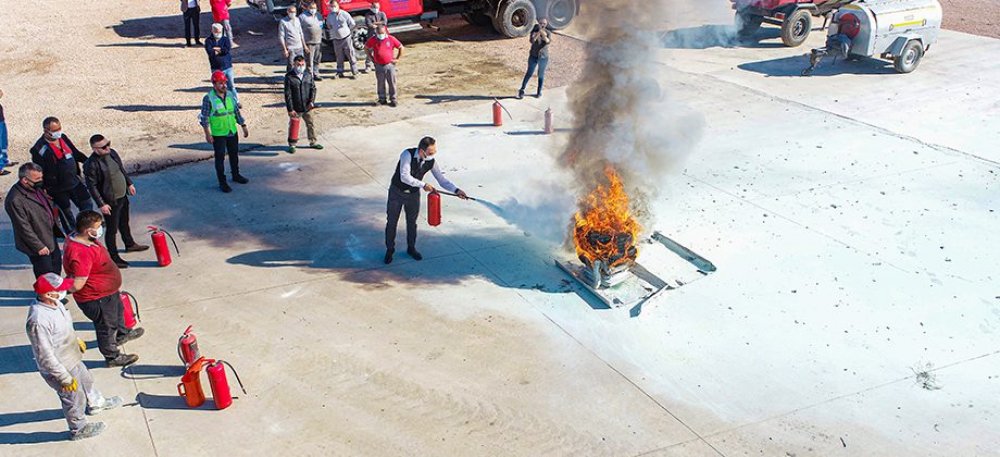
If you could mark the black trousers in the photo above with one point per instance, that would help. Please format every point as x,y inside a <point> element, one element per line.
<point>400,201</point>
<point>108,315</point>
<point>223,145</point>
<point>192,20</point>
<point>80,197</point>
<point>51,263</point>
<point>117,222</point>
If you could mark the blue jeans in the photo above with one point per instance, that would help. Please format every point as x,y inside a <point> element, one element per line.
<point>3,144</point>
<point>540,63</point>
<point>230,83</point>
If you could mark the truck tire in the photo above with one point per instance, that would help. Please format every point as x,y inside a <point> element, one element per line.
<point>747,24</point>
<point>909,59</point>
<point>515,18</point>
<point>359,36</point>
<point>560,13</point>
<point>796,28</point>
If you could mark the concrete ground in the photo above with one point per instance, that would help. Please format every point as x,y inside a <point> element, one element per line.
<point>854,311</point>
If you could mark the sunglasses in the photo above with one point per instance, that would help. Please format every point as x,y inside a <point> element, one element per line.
<point>106,146</point>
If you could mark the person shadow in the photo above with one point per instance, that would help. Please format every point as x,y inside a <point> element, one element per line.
<point>27,417</point>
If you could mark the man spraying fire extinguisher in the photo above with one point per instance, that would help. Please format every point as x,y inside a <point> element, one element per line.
<point>404,193</point>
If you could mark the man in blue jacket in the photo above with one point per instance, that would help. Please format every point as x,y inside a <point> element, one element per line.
<point>219,49</point>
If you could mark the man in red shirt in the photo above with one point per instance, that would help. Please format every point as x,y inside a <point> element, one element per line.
<point>96,284</point>
<point>220,15</point>
<point>382,49</point>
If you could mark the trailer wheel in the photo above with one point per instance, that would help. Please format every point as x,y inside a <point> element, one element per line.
<point>515,18</point>
<point>796,28</point>
<point>909,59</point>
<point>747,24</point>
<point>560,13</point>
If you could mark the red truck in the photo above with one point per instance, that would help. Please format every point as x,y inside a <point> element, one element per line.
<point>793,16</point>
<point>511,18</point>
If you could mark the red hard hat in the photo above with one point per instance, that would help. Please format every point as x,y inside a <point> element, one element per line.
<point>218,76</point>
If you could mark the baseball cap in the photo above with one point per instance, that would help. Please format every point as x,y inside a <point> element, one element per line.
<point>51,282</point>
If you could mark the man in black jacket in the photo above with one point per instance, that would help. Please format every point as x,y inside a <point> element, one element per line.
<point>33,218</point>
<point>300,93</point>
<point>60,161</point>
<point>110,187</point>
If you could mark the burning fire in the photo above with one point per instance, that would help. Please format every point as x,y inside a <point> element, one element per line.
<point>605,228</point>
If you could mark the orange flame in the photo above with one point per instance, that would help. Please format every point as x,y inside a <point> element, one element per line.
<point>605,228</point>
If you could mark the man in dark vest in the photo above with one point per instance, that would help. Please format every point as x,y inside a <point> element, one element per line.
<point>404,193</point>
<point>60,161</point>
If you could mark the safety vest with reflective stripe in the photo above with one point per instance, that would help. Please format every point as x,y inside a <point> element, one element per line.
<point>222,119</point>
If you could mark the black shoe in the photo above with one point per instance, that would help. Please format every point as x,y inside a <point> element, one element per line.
<point>392,103</point>
<point>317,78</point>
<point>225,187</point>
<point>123,360</point>
<point>382,102</point>
<point>538,94</point>
<point>520,94</point>
<point>388,255</point>
<point>340,75</point>
<point>188,44</point>
<point>11,164</point>
<point>240,179</point>
<point>198,43</point>
<point>136,248</point>
<point>413,253</point>
<point>121,263</point>
<point>4,172</point>
<point>134,334</point>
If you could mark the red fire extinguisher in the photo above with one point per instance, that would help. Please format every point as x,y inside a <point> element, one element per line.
<point>293,128</point>
<point>220,385</point>
<point>131,315</point>
<point>498,110</point>
<point>159,237</point>
<point>187,347</point>
<point>434,209</point>
<point>190,385</point>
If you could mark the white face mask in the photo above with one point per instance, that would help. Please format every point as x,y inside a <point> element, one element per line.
<point>381,36</point>
<point>299,70</point>
<point>374,9</point>
<point>57,134</point>
<point>62,295</point>
<point>312,11</point>
<point>99,233</point>
<point>59,296</point>
<point>217,35</point>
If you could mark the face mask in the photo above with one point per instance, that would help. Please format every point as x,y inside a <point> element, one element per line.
<point>57,134</point>
<point>374,9</point>
<point>312,12</point>
<point>99,233</point>
<point>217,35</point>
<point>382,36</point>
<point>61,296</point>
<point>36,185</point>
<point>300,70</point>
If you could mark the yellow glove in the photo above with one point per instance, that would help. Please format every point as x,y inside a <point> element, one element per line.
<point>71,387</point>
<point>83,346</point>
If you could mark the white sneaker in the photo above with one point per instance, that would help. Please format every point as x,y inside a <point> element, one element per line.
<point>109,403</point>
<point>90,430</point>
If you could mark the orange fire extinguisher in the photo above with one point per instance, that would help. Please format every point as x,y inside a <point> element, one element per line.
<point>434,209</point>
<point>131,315</point>
<point>159,237</point>
<point>187,347</point>
<point>498,110</point>
<point>220,385</point>
<point>293,128</point>
<point>190,385</point>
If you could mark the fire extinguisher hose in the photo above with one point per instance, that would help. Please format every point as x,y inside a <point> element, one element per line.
<point>153,228</point>
<point>509,116</point>
<point>237,376</point>
<point>180,355</point>
<point>452,195</point>
<point>136,302</point>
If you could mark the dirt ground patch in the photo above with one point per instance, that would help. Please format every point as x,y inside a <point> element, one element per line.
<point>124,72</point>
<point>978,17</point>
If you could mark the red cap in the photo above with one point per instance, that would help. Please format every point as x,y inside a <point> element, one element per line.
<point>218,76</point>
<point>51,282</point>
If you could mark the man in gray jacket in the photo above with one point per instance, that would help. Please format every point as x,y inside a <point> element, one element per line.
<point>290,35</point>
<point>59,356</point>
<point>312,33</point>
<point>338,29</point>
<point>34,218</point>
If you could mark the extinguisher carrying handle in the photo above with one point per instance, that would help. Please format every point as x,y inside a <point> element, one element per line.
<point>235,374</point>
<point>132,297</point>
<point>509,116</point>
<point>153,228</point>
<point>180,390</point>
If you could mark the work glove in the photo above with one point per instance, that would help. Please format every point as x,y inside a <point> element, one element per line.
<point>83,346</point>
<point>71,387</point>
